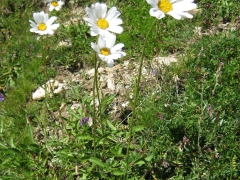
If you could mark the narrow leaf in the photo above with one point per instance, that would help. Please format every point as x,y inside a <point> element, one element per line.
<point>138,128</point>
<point>85,137</point>
<point>149,158</point>
<point>111,125</point>
<point>118,173</point>
<point>96,161</point>
<point>140,162</point>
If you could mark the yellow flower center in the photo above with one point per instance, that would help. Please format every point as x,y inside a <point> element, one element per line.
<point>105,51</point>
<point>54,3</point>
<point>165,6</point>
<point>42,27</point>
<point>102,23</point>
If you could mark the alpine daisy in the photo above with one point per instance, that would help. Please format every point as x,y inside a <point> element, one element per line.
<point>55,4</point>
<point>43,25</point>
<point>107,51</point>
<point>101,21</point>
<point>175,9</point>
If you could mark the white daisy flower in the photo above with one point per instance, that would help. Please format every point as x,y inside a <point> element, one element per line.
<point>54,4</point>
<point>43,25</point>
<point>175,9</point>
<point>107,51</point>
<point>101,21</point>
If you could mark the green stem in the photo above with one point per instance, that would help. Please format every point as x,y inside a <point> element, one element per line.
<point>94,103</point>
<point>136,94</point>
<point>44,60</point>
<point>100,107</point>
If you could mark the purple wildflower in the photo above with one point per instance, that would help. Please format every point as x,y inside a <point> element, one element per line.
<point>84,120</point>
<point>154,71</point>
<point>1,97</point>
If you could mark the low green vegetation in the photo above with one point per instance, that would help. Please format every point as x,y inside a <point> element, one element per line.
<point>187,121</point>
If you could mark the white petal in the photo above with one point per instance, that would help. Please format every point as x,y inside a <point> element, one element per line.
<point>110,41</point>
<point>118,55</point>
<point>108,60</point>
<point>101,42</point>
<point>174,15</point>
<point>51,20</point>
<point>104,10</point>
<point>153,3</point>
<point>104,33</point>
<point>115,22</point>
<point>51,7</point>
<point>183,6</point>
<point>41,32</point>
<point>90,14</point>
<point>36,17</point>
<point>115,29</point>
<point>95,47</point>
<point>45,18</point>
<point>110,63</point>
<point>103,57</point>
<point>33,24</point>
<point>112,14</point>
<point>53,26</point>
<point>185,14</point>
<point>117,47</point>
<point>90,21</point>
<point>94,32</point>
<point>98,11</point>
<point>49,31</point>
<point>33,29</point>
<point>156,13</point>
<point>58,8</point>
<point>60,3</point>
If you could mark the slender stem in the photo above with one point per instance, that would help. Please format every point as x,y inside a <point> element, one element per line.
<point>100,107</point>
<point>45,59</point>
<point>136,94</point>
<point>43,44</point>
<point>94,102</point>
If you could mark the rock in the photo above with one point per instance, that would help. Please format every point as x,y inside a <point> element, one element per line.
<point>76,106</point>
<point>163,61</point>
<point>52,87</point>
<point>110,84</point>
<point>38,94</point>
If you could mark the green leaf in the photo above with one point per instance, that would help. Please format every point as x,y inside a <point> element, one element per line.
<point>85,137</point>
<point>3,146</point>
<point>117,151</point>
<point>34,147</point>
<point>127,135</point>
<point>138,128</point>
<point>96,161</point>
<point>149,158</point>
<point>103,137</point>
<point>111,126</point>
<point>118,173</point>
<point>6,160</point>
<point>30,130</point>
<point>140,162</point>
<point>11,143</point>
